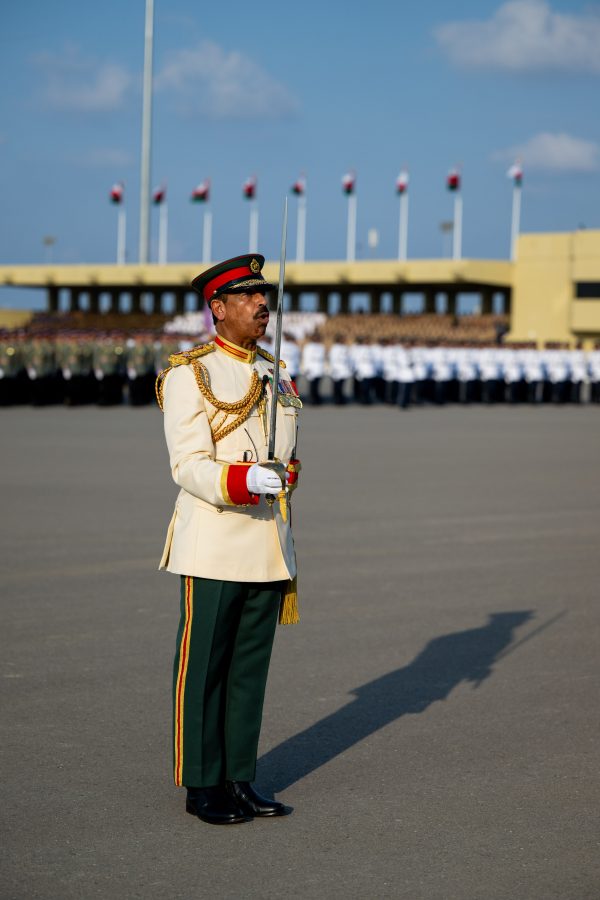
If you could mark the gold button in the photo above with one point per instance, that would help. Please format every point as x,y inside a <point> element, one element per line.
<point>219,509</point>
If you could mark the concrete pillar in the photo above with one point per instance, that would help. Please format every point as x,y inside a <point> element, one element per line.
<point>344,301</point>
<point>507,302</point>
<point>74,299</point>
<point>115,296</point>
<point>376,301</point>
<point>94,295</point>
<point>136,300</point>
<point>451,303</point>
<point>180,301</point>
<point>52,298</point>
<point>294,300</point>
<point>487,301</point>
<point>397,303</point>
<point>157,302</point>
<point>323,301</point>
<point>429,300</point>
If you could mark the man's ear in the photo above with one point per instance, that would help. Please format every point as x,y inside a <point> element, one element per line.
<point>217,307</point>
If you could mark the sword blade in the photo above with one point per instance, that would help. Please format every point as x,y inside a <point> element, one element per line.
<point>278,329</point>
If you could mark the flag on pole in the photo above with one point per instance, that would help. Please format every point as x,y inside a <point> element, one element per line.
<point>249,187</point>
<point>453,180</point>
<point>349,183</point>
<point>201,193</point>
<point>117,193</point>
<point>516,173</point>
<point>159,195</point>
<point>402,182</point>
<point>299,186</point>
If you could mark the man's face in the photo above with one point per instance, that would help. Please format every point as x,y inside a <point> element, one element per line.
<point>244,316</point>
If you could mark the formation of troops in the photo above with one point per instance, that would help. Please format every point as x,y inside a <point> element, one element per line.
<point>76,368</point>
<point>410,373</point>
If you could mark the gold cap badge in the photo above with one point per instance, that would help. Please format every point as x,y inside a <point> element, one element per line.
<point>255,266</point>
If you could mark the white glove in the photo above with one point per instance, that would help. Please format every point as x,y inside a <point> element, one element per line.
<point>262,481</point>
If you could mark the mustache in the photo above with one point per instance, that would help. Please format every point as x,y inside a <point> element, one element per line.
<point>261,312</point>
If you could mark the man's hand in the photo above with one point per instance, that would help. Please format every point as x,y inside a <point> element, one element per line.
<point>262,481</point>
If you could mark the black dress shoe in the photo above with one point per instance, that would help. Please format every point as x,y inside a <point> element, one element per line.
<point>215,806</point>
<point>251,803</point>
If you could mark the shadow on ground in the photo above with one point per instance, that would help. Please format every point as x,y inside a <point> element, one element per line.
<point>441,666</point>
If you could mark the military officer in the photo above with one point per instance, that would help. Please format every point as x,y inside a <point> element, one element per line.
<point>229,540</point>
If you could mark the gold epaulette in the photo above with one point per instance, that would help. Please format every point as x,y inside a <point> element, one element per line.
<point>266,355</point>
<point>184,358</point>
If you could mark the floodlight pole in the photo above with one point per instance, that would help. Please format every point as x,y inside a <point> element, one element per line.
<point>146,136</point>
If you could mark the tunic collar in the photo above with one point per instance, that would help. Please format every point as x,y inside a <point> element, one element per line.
<point>230,349</point>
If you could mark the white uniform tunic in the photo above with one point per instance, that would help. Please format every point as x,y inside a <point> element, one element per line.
<point>339,362</point>
<point>363,362</point>
<point>313,360</point>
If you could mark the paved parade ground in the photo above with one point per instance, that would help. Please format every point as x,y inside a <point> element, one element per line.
<point>433,720</point>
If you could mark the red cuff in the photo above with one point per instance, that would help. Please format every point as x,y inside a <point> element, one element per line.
<point>293,470</point>
<point>235,489</point>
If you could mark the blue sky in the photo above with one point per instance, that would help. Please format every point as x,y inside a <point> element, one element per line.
<point>275,90</point>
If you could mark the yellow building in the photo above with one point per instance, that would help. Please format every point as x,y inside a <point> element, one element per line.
<point>556,288</point>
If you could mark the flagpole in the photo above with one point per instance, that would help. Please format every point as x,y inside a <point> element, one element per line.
<point>351,233</point>
<point>146,135</point>
<point>301,229</point>
<point>253,236</point>
<point>457,229</point>
<point>163,225</point>
<point>515,220</point>
<point>121,232</point>
<point>403,228</point>
<point>207,236</point>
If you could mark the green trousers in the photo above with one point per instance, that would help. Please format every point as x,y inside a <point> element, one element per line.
<point>222,659</point>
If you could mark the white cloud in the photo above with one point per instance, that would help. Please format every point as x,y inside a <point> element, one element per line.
<point>74,82</point>
<point>224,84</point>
<point>554,153</point>
<point>524,35</point>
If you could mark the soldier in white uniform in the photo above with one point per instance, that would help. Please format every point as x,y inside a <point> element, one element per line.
<point>312,366</point>
<point>594,370</point>
<point>339,367</point>
<point>290,351</point>
<point>405,375</point>
<point>513,373</point>
<point>419,365</point>
<point>388,353</point>
<point>365,370</point>
<point>578,366</point>
<point>490,368</point>
<point>442,373</point>
<point>467,372</point>
<point>534,373</point>
<point>557,363</point>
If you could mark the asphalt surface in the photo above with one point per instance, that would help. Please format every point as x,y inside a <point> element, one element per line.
<point>433,720</point>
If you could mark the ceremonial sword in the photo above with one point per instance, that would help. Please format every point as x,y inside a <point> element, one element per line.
<point>272,463</point>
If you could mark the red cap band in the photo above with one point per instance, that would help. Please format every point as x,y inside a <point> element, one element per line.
<point>225,278</point>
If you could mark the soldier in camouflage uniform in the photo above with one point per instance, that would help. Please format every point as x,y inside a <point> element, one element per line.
<point>74,358</point>
<point>108,359</point>
<point>40,363</point>
<point>140,370</point>
<point>11,370</point>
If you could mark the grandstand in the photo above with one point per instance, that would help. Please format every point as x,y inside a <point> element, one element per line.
<point>551,293</point>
